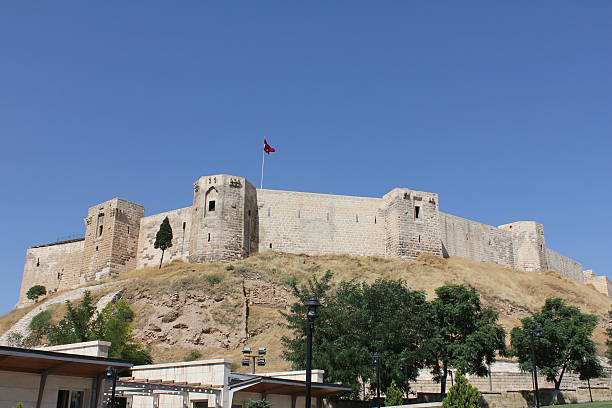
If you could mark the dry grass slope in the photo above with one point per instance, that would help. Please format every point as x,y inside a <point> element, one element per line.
<point>208,297</point>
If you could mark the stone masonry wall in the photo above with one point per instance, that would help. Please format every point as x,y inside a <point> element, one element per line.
<point>528,245</point>
<point>412,223</point>
<point>563,265</point>
<point>601,283</point>
<point>473,240</point>
<point>180,221</point>
<point>320,223</point>
<point>55,266</point>
<point>111,238</point>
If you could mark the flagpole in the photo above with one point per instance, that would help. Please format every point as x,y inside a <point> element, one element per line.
<point>263,160</point>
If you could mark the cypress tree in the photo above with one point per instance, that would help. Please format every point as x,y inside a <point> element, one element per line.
<point>163,239</point>
<point>462,394</point>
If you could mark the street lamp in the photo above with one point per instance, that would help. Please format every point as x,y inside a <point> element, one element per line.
<point>535,333</point>
<point>377,362</point>
<point>111,374</point>
<point>258,359</point>
<point>311,314</point>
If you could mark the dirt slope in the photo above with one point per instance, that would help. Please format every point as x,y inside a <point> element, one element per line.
<point>219,308</point>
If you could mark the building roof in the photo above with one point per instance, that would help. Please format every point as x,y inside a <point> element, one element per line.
<point>281,386</point>
<point>50,362</point>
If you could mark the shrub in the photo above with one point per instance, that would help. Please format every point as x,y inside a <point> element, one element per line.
<point>213,279</point>
<point>229,268</point>
<point>259,404</point>
<point>193,355</point>
<point>393,395</point>
<point>35,292</point>
<point>462,394</point>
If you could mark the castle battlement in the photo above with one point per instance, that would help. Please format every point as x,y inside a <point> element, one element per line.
<point>230,219</point>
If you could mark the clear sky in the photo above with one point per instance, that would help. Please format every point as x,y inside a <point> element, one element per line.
<point>502,108</point>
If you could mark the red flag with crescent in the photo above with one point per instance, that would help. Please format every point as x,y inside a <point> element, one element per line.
<point>267,148</point>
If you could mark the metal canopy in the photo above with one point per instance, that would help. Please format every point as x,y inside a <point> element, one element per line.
<point>280,386</point>
<point>128,386</point>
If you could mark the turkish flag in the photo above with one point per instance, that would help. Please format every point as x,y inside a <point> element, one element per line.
<point>267,148</point>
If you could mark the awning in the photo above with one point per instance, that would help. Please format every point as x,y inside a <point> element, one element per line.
<point>273,385</point>
<point>50,362</point>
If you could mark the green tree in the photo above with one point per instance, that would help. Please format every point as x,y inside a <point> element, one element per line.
<point>259,404</point>
<point>463,334</point>
<point>356,321</point>
<point>75,325</point>
<point>565,344</point>
<point>113,324</point>
<point>609,341</point>
<point>462,394</point>
<point>393,395</point>
<point>35,292</point>
<point>39,327</point>
<point>163,239</point>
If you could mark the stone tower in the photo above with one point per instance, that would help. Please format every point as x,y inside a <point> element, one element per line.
<point>528,245</point>
<point>111,238</point>
<point>225,222</point>
<point>412,223</point>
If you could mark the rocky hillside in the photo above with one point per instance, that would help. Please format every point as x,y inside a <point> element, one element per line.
<point>219,308</point>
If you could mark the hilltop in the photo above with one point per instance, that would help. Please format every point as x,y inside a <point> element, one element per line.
<point>218,308</point>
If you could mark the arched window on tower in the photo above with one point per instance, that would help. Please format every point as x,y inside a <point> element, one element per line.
<point>212,198</point>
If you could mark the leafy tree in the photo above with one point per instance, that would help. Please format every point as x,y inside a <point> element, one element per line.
<point>464,334</point>
<point>113,324</point>
<point>609,341</point>
<point>35,292</point>
<point>393,395</point>
<point>565,344</point>
<point>259,404</point>
<point>356,321</point>
<point>74,327</point>
<point>462,394</point>
<point>163,239</point>
<point>39,326</point>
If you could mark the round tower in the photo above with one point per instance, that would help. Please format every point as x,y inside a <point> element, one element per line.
<point>224,222</point>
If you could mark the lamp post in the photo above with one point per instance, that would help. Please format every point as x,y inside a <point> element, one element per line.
<point>258,359</point>
<point>311,305</point>
<point>535,333</point>
<point>111,374</point>
<point>377,362</point>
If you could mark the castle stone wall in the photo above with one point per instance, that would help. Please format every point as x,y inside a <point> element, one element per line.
<point>320,223</point>
<point>528,245</point>
<point>601,283</point>
<point>55,266</point>
<point>230,219</point>
<point>473,240</point>
<point>111,238</point>
<point>180,222</point>
<point>564,265</point>
<point>412,223</point>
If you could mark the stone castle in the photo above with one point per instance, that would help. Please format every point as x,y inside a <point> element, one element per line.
<point>230,219</point>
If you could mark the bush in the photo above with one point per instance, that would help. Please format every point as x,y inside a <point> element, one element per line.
<point>462,394</point>
<point>229,268</point>
<point>213,279</point>
<point>35,291</point>
<point>393,395</point>
<point>193,355</point>
<point>259,404</point>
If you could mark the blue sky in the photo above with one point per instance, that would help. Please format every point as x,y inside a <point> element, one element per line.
<point>502,108</point>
